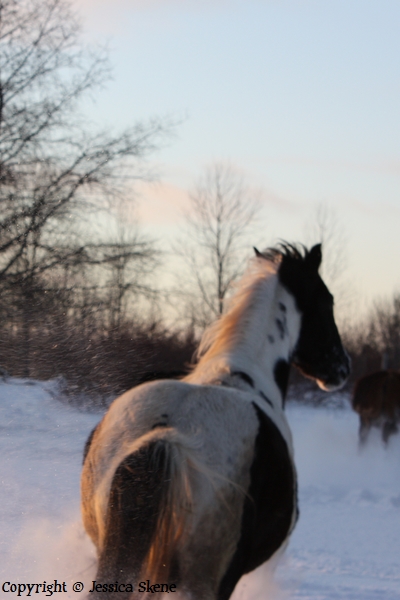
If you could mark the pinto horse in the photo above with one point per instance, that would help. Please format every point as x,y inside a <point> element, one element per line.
<point>192,483</point>
<point>376,399</point>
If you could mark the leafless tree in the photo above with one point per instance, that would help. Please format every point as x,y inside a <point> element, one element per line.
<point>51,166</point>
<point>383,331</point>
<point>222,211</point>
<point>56,170</point>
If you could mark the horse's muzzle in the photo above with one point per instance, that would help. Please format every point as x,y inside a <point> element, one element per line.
<point>337,376</point>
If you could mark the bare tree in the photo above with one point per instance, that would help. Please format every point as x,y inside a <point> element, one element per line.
<point>51,166</point>
<point>56,170</point>
<point>222,211</point>
<point>126,262</point>
<point>383,331</point>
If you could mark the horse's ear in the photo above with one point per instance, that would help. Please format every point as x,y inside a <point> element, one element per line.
<point>314,257</point>
<point>258,253</point>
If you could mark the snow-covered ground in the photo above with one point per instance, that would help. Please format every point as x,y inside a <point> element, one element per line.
<point>346,545</point>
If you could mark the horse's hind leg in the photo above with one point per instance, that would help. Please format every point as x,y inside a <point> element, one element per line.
<point>363,432</point>
<point>134,502</point>
<point>389,427</point>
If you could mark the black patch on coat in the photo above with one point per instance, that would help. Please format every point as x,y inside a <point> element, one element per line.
<point>271,338</point>
<point>282,307</point>
<point>281,328</point>
<point>250,381</point>
<point>159,424</point>
<point>244,376</point>
<point>265,398</point>
<point>281,375</point>
<point>88,442</point>
<point>268,508</point>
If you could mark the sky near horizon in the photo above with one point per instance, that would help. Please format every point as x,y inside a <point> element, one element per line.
<point>302,96</point>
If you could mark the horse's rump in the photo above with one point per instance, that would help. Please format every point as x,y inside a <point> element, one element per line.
<point>376,399</point>
<point>149,502</point>
<point>157,495</point>
<point>377,395</point>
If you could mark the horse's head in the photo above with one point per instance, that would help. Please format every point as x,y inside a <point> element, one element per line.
<point>319,352</point>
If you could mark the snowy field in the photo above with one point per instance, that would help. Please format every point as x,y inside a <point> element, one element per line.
<point>346,545</point>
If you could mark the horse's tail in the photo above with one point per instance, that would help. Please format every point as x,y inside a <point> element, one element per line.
<point>149,505</point>
<point>176,463</point>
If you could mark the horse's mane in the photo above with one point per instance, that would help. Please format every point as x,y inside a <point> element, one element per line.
<point>222,333</point>
<point>285,252</point>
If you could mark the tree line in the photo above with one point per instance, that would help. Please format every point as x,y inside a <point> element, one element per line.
<point>64,284</point>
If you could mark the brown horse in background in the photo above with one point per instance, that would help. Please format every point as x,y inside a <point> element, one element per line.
<point>376,399</point>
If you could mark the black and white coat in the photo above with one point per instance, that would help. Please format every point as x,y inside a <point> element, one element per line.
<point>222,441</point>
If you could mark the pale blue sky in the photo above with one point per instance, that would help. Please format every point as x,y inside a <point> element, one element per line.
<point>302,95</point>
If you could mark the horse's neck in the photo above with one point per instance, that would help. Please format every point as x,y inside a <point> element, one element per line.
<point>266,333</point>
<point>271,332</point>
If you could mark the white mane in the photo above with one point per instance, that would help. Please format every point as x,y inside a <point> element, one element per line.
<point>220,338</point>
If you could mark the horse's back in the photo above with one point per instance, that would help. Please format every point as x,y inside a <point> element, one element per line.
<point>211,414</point>
<point>211,422</point>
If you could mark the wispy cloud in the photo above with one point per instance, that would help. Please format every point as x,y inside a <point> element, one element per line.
<point>161,203</point>
<point>154,4</point>
<point>384,166</point>
<point>165,203</point>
